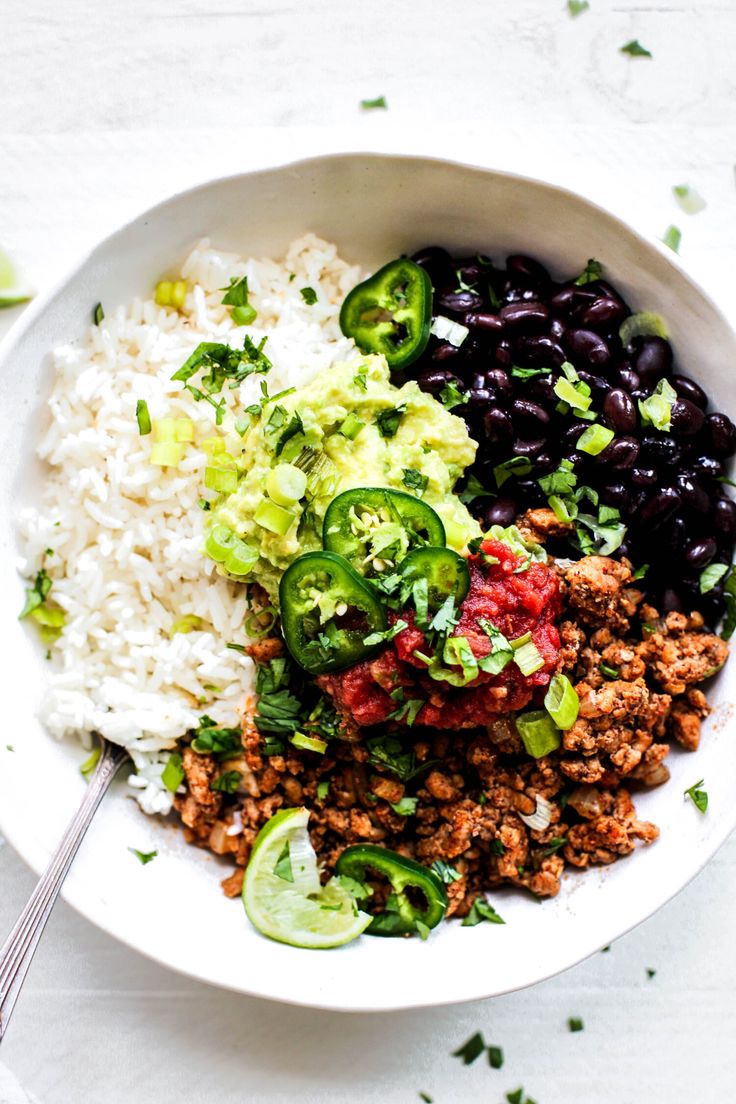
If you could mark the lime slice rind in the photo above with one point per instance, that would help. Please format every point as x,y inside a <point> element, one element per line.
<point>14,289</point>
<point>300,913</point>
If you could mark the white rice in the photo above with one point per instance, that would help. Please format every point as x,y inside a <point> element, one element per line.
<point>127,535</point>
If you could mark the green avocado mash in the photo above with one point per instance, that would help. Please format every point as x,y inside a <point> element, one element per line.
<point>350,427</point>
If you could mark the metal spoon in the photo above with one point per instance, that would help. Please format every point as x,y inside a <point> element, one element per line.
<point>20,946</point>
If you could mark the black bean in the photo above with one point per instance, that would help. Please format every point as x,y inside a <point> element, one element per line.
<point>586,348</point>
<point>568,298</point>
<point>653,360</point>
<point>542,390</point>
<point>724,518</point>
<point>671,537</point>
<point>480,320</point>
<point>498,426</point>
<point>556,329</point>
<point>529,270</point>
<point>616,494</point>
<point>660,506</point>
<point>469,269</point>
<point>660,451</point>
<point>530,492</point>
<point>497,380</point>
<point>512,293</point>
<point>689,389</point>
<point>628,379</point>
<point>620,411</point>
<point>700,552</point>
<point>622,453</point>
<point>571,433</point>
<point>605,314</point>
<point>433,380</point>
<point>707,466</point>
<point>671,602</point>
<point>538,352</point>
<point>479,397</point>
<point>692,494</point>
<point>525,410</point>
<point>445,351</point>
<point>501,512</point>
<point>503,354</point>
<point>721,433</point>
<point>544,463</point>
<point>644,477</point>
<point>459,302</point>
<point>528,317</point>
<point>437,263</point>
<point>597,384</point>
<point>686,419</point>
<point>529,448</point>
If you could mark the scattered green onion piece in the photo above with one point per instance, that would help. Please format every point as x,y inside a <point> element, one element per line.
<point>98,314</point>
<point>170,430</point>
<point>143,417</point>
<point>561,702</point>
<point>567,392</point>
<point>690,200</point>
<point>219,542</point>
<point>184,430</point>
<point>560,509</point>
<point>171,293</point>
<point>213,446</point>
<point>309,743</point>
<point>253,623</point>
<point>166,454</point>
<point>528,658</point>
<point>538,732</point>
<point>87,769</point>
<point>244,316</point>
<point>286,484</point>
<point>273,517</point>
<point>672,238</point>
<point>609,672</point>
<point>172,775</point>
<point>223,480</point>
<point>351,427</point>
<point>657,409</point>
<point>189,623</point>
<point>577,7</point>
<point>643,324</point>
<point>241,559</point>
<point>594,440</point>
<point>370,105</point>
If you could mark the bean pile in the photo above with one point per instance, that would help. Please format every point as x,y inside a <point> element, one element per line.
<point>667,485</point>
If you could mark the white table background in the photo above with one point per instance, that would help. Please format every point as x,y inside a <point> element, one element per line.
<point>105,108</point>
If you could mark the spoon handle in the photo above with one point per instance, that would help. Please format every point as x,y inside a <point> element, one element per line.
<point>20,946</point>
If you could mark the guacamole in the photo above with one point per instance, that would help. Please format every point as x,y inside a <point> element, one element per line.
<point>350,427</point>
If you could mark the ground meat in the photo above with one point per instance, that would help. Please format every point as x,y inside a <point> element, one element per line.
<point>538,525</point>
<point>678,657</point>
<point>685,717</point>
<point>598,592</point>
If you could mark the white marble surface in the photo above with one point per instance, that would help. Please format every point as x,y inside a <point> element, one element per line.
<point>107,108</point>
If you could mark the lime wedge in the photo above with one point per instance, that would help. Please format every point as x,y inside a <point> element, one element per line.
<point>282,893</point>
<point>13,289</point>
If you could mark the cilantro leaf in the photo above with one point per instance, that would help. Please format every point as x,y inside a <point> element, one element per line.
<point>451,396</point>
<point>577,7</point>
<point>592,272</point>
<point>447,873</point>
<point>282,868</point>
<point>143,857</point>
<point>634,48</point>
<point>414,480</point>
<point>372,105</point>
<point>388,420</point>
<point>406,807</point>
<point>309,295</point>
<point>481,910</point>
<point>698,796</point>
<point>471,1049</point>
<point>227,782</point>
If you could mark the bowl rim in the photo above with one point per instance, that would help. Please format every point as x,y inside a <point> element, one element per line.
<point>34,311</point>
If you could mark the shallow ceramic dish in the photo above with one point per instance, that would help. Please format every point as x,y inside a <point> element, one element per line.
<point>374,207</point>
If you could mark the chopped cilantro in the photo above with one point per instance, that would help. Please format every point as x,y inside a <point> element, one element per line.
<point>220,363</point>
<point>517,465</point>
<point>143,856</point>
<point>361,381</point>
<point>606,949</point>
<point>98,314</point>
<point>209,739</point>
<point>608,672</point>
<point>407,806</point>
<point>388,752</point>
<point>474,489</point>
<point>575,1024</point>
<point>497,847</point>
<point>426,1098</point>
<point>309,295</point>
<point>9,747</point>
<point>729,597</point>
<point>37,594</point>
<point>388,420</point>
<point>592,272</point>
<point>495,1057</point>
<point>143,417</point>
<point>385,635</point>
<point>236,296</point>
<point>372,105</point>
<point>408,709</point>
<point>87,769</point>
<point>481,910</point>
<point>227,782</point>
<point>471,1049</point>
<point>173,773</point>
<point>672,238</point>
<point>323,788</point>
<point>554,845</point>
<point>650,972</point>
<point>414,480</point>
<point>529,373</point>
<point>447,873</point>
<point>451,396</point>
<point>640,572</point>
<point>634,48</point>
<point>577,7</point>
<point>698,797</point>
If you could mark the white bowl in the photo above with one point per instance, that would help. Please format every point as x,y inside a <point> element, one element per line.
<point>172,910</point>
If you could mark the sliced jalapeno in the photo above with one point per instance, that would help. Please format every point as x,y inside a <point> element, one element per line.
<point>390,313</point>
<point>401,918</point>
<point>326,611</point>
<point>446,574</point>
<point>375,527</point>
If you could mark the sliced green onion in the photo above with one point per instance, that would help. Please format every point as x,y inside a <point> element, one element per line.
<point>309,743</point>
<point>224,480</point>
<point>572,394</point>
<point>98,314</point>
<point>219,542</point>
<point>691,202</point>
<point>143,417</point>
<point>171,293</point>
<point>528,658</point>
<point>164,429</point>
<point>13,289</point>
<point>538,732</point>
<point>241,559</point>
<point>273,517</point>
<point>172,775</point>
<point>87,769</point>
<point>657,409</point>
<point>672,238</point>
<point>519,641</point>
<point>253,623</point>
<point>184,430</point>
<point>186,624</point>
<point>166,454</point>
<point>213,446</point>
<point>561,509</point>
<point>609,672</point>
<point>286,484</point>
<point>351,427</point>
<point>643,324</point>
<point>561,701</point>
<point>594,440</point>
